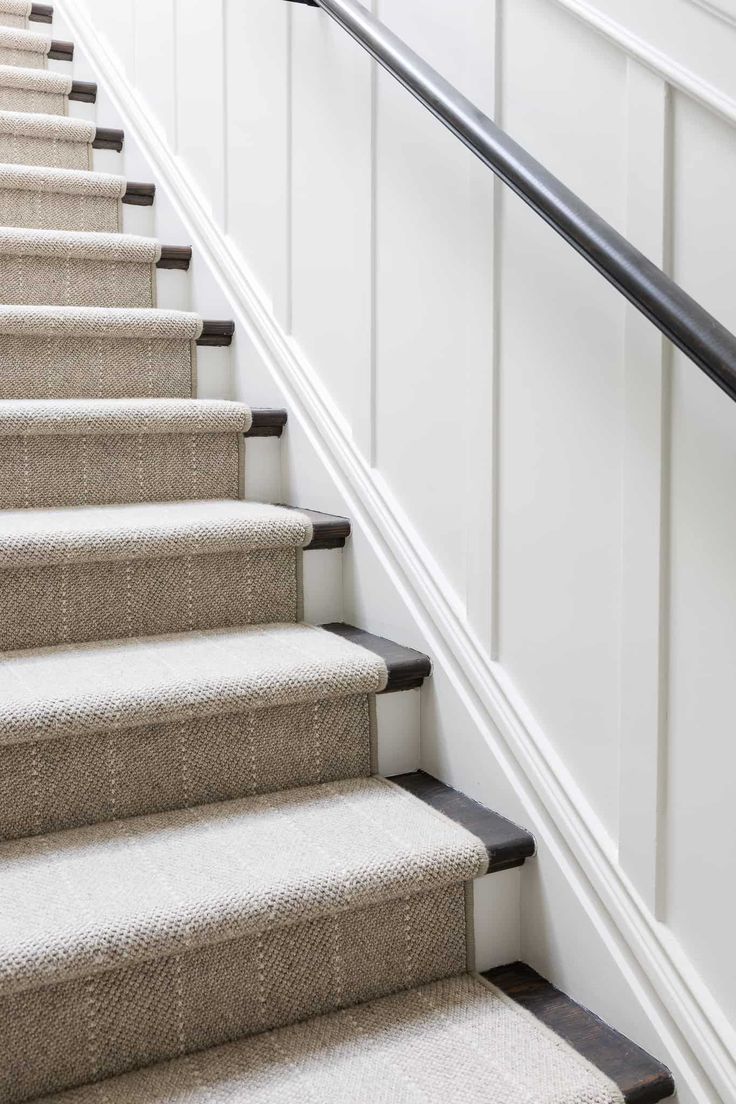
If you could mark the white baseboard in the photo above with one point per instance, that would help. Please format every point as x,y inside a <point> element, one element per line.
<point>695,1033</point>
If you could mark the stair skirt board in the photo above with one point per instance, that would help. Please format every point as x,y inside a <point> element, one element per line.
<point>68,268</point>
<point>199,865</point>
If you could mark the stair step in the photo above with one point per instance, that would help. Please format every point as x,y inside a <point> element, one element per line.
<point>641,1078</point>
<point>41,197</point>
<point>451,1040</point>
<point>89,573</point>
<point>89,687</point>
<point>507,844</point>
<point>86,452</point>
<point>142,531</point>
<point>407,668</point>
<point>222,904</point>
<point>67,268</point>
<point>68,352</point>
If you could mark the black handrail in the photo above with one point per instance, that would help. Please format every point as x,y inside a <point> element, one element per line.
<point>680,318</point>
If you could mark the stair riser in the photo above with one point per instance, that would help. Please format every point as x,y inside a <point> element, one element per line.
<point>27,150</point>
<point>40,471</point>
<point>31,100</point>
<point>27,59</point>
<point>76,282</point>
<point>73,602</point>
<point>87,1029</point>
<point>101,776</point>
<point>37,367</point>
<point>37,210</point>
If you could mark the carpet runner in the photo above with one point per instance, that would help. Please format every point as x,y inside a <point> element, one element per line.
<point>206,892</point>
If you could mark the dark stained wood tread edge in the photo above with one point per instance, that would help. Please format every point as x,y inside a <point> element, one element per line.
<point>267,422</point>
<point>175,256</point>
<point>407,668</point>
<point>216,332</point>
<point>83,91</point>
<point>641,1078</point>
<point>41,13</point>
<point>507,844</point>
<point>108,138</point>
<point>328,530</point>
<point>139,195</point>
<point>61,51</point>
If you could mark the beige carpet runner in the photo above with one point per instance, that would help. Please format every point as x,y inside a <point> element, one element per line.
<point>206,893</point>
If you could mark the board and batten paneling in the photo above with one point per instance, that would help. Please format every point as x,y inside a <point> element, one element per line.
<point>561,400</point>
<point>567,478</point>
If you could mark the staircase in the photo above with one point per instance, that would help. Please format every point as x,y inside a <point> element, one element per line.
<point>207,891</point>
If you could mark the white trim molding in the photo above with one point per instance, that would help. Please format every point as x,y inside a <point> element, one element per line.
<point>728,15</point>
<point>697,1035</point>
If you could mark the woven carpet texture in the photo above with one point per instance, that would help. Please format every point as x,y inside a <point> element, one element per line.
<point>14,13</point>
<point>206,891</point>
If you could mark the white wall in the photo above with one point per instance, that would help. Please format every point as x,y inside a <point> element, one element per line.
<point>547,491</point>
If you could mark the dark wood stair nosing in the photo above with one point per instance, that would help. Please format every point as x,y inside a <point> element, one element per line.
<point>641,1078</point>
<point>175,257</point>
<point>139,195</point>
<point>216,333</point>
<point>83,91</point>
<point>109,138</point>
<point>507,844</point>
<point>41,13</point>
<point>407,668</point>
<point>267,422</point>
<point>328,530</point>
<point>61,51</point>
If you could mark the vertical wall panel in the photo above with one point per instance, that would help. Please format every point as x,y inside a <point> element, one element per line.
<point>331,206</point>
<point>701,835</point>
<point>561,393</point>
<point>155,61</point>
<point>116,21</point>
<point>434,311</point>
<point>200,96</point>
<point>258,139</point>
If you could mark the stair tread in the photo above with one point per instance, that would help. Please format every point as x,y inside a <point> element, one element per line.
<point>63,690</point>
<point>85,900</point>
<point>31,538</point>
<point>456,1039</point>
<point>42,178</point>
<point>62,128</point>
<point>121,416</point>
<point>99,322</point>
<point>508,845</point>
<point>407,667</point>
<point>43,80</point>
<point>641,1078</point>
<point>82,244</point>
